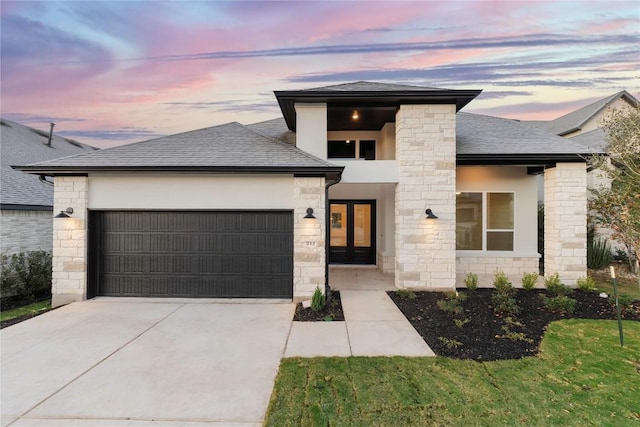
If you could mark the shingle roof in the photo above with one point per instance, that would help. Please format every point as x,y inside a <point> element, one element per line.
<point>276,129</point>
<point>595,139</point>
<point>487,135</point>
<point>228,147</point>
<point>367,96</point>
<point>21,144</point>
<point>577,119</point>
<point>363,86</point>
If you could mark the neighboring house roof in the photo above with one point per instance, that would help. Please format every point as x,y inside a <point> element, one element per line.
<point>486,140</point>
<point>21,144</point>
<point>575,120</point>
<point>379,100</point>
<point>228,148</point>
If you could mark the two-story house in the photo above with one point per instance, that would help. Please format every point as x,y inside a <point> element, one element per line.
<point>360,173</point>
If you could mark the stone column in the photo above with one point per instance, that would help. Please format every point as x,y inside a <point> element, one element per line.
<point>426,156</point>
<point>565,221</point>
<point>309,254</point>
<point>69,276</point>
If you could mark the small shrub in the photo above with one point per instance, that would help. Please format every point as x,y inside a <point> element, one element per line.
<point>559,304</point>
<point>504,304</point>
<point>555,287</point>
<point>621,256</point>
<point>529,281</point>
<point>625,301</point>
<point>449,306</point>
<point>461,322</point>
<point>471,282</point>
<point>512,322</point>
<point>598,252</point>
<point>26,273</point>
<point>406,294</point>
<point>502,284</point>
<point>317,300</point>
<point>514,336</point>
<point>449,343</point>
<point>587,284</point>
<point>452,303</point>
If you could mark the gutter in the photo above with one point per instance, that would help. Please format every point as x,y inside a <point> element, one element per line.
<point>327,288</point>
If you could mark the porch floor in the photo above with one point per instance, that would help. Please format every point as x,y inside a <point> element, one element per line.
<point>359,278</point>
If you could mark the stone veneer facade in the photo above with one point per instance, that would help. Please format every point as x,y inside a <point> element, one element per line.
<point>25,230</point>
<point>69,276</point>
<point>485,266</point>
<point>309,251</point>
<point>425,251</point>
<point>565,217</point>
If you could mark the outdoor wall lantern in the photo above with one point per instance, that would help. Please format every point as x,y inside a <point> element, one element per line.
<point>430,214</point>
<point>65,213</point>
<point>309,214</point>
<point>355,115</point>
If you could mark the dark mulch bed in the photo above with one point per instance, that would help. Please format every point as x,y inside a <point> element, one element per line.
<point>479,338</point>
<point>331,311</point>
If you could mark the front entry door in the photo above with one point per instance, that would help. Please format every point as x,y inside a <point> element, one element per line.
<point>352,225</point>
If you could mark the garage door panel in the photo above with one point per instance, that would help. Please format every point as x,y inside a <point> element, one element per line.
<point>194,254</point>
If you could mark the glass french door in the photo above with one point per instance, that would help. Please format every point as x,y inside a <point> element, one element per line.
<point>352,232</point>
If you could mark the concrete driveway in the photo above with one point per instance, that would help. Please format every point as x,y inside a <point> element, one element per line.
<point>143,363</point>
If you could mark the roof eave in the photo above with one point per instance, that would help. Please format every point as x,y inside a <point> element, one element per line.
<point>288,99</point>
<point>520,159</point>
<point>84,170</point>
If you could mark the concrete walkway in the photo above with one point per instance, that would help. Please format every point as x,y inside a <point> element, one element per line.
<point>373,326</point>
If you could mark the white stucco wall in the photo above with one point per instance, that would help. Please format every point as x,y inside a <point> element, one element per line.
<point>24,231</point>
<point>508,179</point>
<point>311,129</point>
<point>131,191</point>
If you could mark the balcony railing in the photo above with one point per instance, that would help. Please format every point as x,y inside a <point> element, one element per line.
<point>368,171</point>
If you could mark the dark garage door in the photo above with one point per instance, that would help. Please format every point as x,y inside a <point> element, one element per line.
<point>245,254</point>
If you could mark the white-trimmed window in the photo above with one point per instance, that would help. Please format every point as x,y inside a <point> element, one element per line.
<point>485,221</point>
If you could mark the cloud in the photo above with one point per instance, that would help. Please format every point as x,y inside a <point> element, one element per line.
<point>499,94</point>
<point>231,106</point>
<point>25,118</point>
<point>531,40</point>
<point>112,135</point>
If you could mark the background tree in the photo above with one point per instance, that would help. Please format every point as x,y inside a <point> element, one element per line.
<point>618,207</point>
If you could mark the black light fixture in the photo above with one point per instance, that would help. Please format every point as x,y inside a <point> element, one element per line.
<point>355,115</point>
<point>309,214</point>
<point>430,214</point>
<point>65,213</point>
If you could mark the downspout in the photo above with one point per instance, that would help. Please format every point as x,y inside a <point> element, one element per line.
<point>327,220</point>
<point>43,178</point>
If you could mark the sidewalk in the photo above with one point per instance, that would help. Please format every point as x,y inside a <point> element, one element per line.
<point>373,326</point>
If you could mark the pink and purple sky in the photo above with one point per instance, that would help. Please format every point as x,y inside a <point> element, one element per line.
<point>109,73</point>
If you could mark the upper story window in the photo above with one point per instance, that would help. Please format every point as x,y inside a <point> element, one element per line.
<point>485,221</point>
<point>351,149</point>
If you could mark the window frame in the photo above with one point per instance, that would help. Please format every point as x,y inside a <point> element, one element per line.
<point>356,145</point>
<point>485,221</point>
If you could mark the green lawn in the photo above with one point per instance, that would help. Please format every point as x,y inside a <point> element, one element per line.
<point>27,309</point>
<point>581,378</point>
<point>625,286</point>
